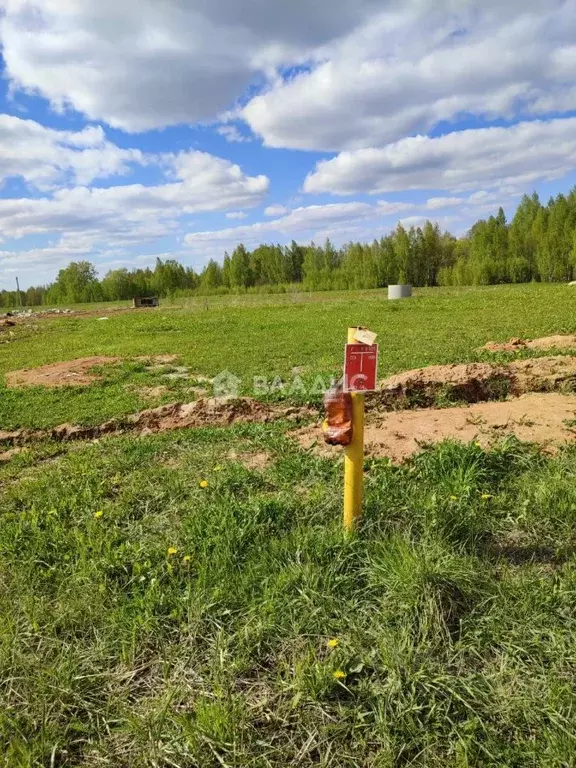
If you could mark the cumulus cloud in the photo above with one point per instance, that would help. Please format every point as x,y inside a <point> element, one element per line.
<point>141,64</point>
<point>464,160</point>
<point>408,71</point>
<point>275,210</point>
<point>135,211</point>
<point>311,221</point>
<point>87,219</point>
<point>232,134</point>
<point>437,203</point>
<point>44,157</point>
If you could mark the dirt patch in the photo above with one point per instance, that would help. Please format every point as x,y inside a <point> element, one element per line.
<point>260,460</point>
<point>75,373</point>
<point>207,412</point>
<point>474,382</point>
<point>79,373</point>
<point>7,455</point>
<point>546,342</point>
<point>540,418</point>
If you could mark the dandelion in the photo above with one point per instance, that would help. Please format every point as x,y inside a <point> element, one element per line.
<point>186,558</point>
<point>453,498</point>
<point>203,483</point>
<point>339,674</point>
<point>172,551</point>
<point>485,496</point>
<point>98,515</point>
<point>333,643</point>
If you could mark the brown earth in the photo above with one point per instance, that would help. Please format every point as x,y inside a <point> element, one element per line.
<point>542,418</point>
<point>474,382</point>
<point>201,413</point>
<point>546,342</point>
<point>76,373</point>
<point>540,407</point>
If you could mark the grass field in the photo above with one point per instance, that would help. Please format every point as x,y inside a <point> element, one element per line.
<point>188,599</point>
<point>268,336</point>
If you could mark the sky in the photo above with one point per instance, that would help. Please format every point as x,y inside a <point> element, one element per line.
<point>140,129</point>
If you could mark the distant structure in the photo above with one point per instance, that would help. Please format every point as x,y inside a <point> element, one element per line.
<point>402,291</point>
<point>145,301</point>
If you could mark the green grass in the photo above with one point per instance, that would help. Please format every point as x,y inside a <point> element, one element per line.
<point>454,613</point>
<point>269,335</point>
<point>148,621</point>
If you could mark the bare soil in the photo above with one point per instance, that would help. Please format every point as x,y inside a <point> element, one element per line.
<point>533,399</point>
<point>542,418</point>
<point>546,342</point>
<point>475,382</point>
<point>201,413</point>
<point>76,373</point>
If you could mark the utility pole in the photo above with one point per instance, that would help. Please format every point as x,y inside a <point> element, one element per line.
<point>18,292</point>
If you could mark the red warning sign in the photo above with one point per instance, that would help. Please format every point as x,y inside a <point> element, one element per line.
<point>360,367</point>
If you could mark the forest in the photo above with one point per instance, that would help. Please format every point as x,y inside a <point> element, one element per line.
<point>538,244</point>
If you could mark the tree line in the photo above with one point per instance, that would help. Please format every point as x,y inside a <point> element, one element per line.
<point>538,244</point>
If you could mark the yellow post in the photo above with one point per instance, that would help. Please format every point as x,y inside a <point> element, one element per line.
<point>354,458</point>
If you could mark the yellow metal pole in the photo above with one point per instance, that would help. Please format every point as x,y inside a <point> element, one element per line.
<point>354,458</point>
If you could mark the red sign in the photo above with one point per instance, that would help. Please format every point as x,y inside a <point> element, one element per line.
<point>360,367</point>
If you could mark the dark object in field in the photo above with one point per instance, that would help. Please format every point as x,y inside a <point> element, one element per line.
<point>145,301</point>
<point>338,428</point>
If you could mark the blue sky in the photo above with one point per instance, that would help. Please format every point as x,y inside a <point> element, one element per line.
<point>183,127</point>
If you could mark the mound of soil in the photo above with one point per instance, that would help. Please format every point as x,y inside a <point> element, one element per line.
<point>539,418</point>
<point>475,382</point>
<point>215,411</point>
<point>546,342</point>
<point>76,373</point>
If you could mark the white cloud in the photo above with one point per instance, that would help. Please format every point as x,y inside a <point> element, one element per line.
<point>403,73</point>
<point>519,155</point>
<point>437,203</point>
<point>276,210</point>
<point>236,215</point>
<point>232,134</point>
<point>133,211</point>
<point>90,221</point>
<point>44,157</point>
<point>140,64</point>
<point>311,222</point>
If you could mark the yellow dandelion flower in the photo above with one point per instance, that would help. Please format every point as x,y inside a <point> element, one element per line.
<point>98,515</point>
<point>339,674</point>
<point>203,483</point>
<point>333,643</point>
<point>186,558</point>
<point>486,496</point>
<point>453,498</point>
<point>172,551</point>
